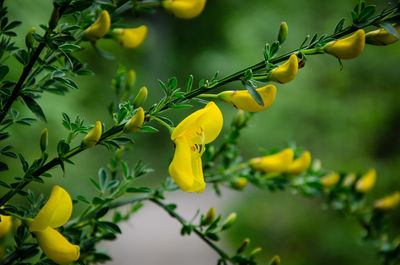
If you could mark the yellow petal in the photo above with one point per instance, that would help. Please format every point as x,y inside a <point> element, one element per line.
<point>276,163</point>
<point>55,213</point>
<point>202,126</point>
<point>300,164</point>
<point>330,180</point>
<point>285,72</point>
<point>131,38</point>
<point>93,136</point>
<point>244,101</point>
<point>185,9</point>
<point>367,181</point>
<point>99,28</point>
<point>56,247</point>
<point>389,202</point>
<point>136,122</point>
<point>186,169</point>
<point>5,224</point>
<point>381,37</point>
<point>347,48</point>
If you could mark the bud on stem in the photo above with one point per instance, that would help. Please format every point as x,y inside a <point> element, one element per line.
<point>141,97</point>
<point>44,139</point>
<point>136,122</point>
<point>283,32</point>
<point>229,221</point>
<point>209,218</point>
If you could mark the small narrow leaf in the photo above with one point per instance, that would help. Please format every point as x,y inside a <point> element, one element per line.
<point>253,92</point>
<point>392,30</point>
<point>34,107</point>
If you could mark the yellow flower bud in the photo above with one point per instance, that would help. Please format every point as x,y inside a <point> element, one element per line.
<point>29,37</point>
<point>366,182</point>
<point>276,163</point>
<point>185,9</point>
<point>141,97</point>
<point>239,183</point>
<point>136,122</point>
<point>44,139</point>
<point>388,203</point>
<point>347,48</point>
<point>99,28</point>
<point>285,72</point>
<point>56,247</point>
<point>244,101</point>
<point>209,218</point>
<point>349,180</point>
<point>130,80</point>
<point>93,136</point>
<point>381,37</point>
<point>330,181</point>
<point>229,221</point>
<point>131,38</point>
<point>254,252</point>
<point>300,164</point>
<point>5,224</point>
<point>283,32</point>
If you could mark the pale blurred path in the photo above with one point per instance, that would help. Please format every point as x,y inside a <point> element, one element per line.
<point>152,237</point>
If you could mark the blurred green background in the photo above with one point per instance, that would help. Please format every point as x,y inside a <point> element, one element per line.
<point>348,119</point>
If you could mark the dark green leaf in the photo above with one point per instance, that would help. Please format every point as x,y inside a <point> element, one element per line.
<point>366,13</point>
<point>339,26</point>
<point>3,166</point>
<point>109,226</point>
<point>138,190</point>
<point>148,128</point>
<point>3,71</point>
<point>101,212</point>
<point>82,199</point>
<point>189,83</point>
<point>253,92</point>
<point>34,107</point>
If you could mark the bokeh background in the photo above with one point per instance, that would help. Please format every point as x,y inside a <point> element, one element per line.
<point>348,119</point>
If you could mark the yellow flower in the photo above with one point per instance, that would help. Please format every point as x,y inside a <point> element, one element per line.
<point>93,136</point>
<point>99,28</point>
<point>5,224</point>
<point>185,9</point>
<point>347,48</point>
<point>381,37</point>
<point>300,164</point>
<point>136,122</point>
<point>55,213</point>
<point>285,72</point>
<point>388,203</point>
<point>190,136</point>
<point>276,163</point>
<point>239,183</point>
<point>366,182</point>
<point>244,101</point>
<point>330,180</point>
<point>131,38</point>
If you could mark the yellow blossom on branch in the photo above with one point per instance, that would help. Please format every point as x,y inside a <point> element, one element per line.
<point>99,28</point>
<point>136,122</point>
<point>189,137</point>
<point>389,202</point>
<point>367,181</point>
<point>93,136</point>
<point>130,38</point>
<point>185,9</point>
<point>347,48</point>
<point>381,37</point>
<point>300,164</point>
<point>276,163</point>
<point>243,100</point>
<point>285,72</point>
<point>5,224</point>
<point>330,181</point>
<point>55,213</point>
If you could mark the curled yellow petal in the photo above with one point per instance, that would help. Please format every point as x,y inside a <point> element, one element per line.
<point>136,122</point>
<point>93,136</point>
<point>388,203</point>
<point>347,48</point>
<point>300,164</point>
<point>381,37</point>
<point>276,163</point>
<point>185,9</point>
<point>56,247</point>
<point>243,100</point>
<point>99,28</point>
<point>367,181</point>
<point>5,224</point>
<point>131,38</point>
<point>186,168</point>
<point>285,72</point>
<point>330,180</point>
<point>55,212</point>
<point>202,126</point>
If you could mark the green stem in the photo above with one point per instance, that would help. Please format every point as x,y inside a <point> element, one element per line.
<point>170,129</point>
<point>208,96</point>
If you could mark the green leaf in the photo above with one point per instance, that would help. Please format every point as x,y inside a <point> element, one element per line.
<point>109,226</point>
<point>189,83</point>
<point>148,128</point>
<point>102,212</point>
<point>339,26</point>
<point>34,107</point>
<point>138,190</point>
<point>103,178</point>
<point>253,92</point>
<point>95,184</point>
<point>274,49</point>
<point>82,199</point>
<point>392,30</point>
<point>366,13</point>
<point>3,71</point>
<point>3,167</point>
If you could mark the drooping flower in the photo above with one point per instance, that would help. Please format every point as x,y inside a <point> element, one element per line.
<point>99,28</point>
<point>300,164</point>
<point>347,48</point>
<point>276,163</point>
<point>367,181</point>
<point>331,180</point>
<point>55,213</point>
<point>381,37</point>
<point>285,72</point>
<point>92,138</point>
<point>243,100</point>
<point>189,137</point>
<point>130,38</point>
<point>388,203</point>
<point>185,9</point>
<point>136,122</point>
